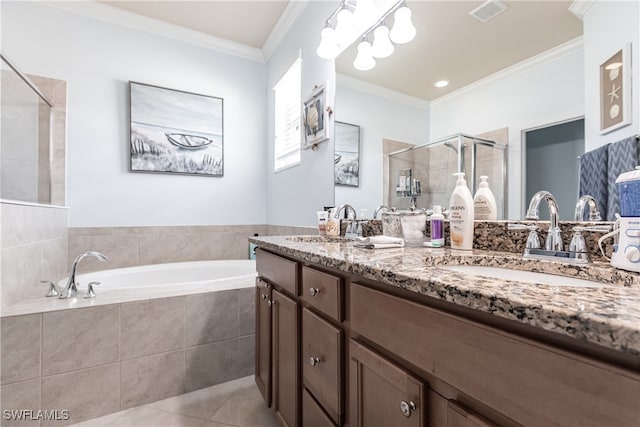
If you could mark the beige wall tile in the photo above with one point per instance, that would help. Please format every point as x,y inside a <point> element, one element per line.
<point>10,284</point>
<point>151,327</point>
<point>151,378</point>
<point>210,364</point>
<point>21,338</point>
<point>122,251</point>
<point>21,224</point>
<point>54,267</point>
<point>88,393</point>
<point>246,355</point>
<point>21,268</point>
<point>79,338</point>
<point>211,317</point>
<point>55,223</point>
<point>246,311</point>
<point>21,396</point>
<point>161,248</point>
<point>78,245</point>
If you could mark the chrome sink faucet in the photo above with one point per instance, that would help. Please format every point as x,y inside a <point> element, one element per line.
<point>554,237</point>
<point>347,208</point>
<point>594,213</point>
<point>379,209</point>
<point>71,290</point>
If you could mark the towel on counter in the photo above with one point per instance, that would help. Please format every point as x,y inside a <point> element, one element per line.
<point>593,176</point>
<point>379,242</point>
<point>622,156</point>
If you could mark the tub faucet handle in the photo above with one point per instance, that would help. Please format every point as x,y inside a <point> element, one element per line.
<point>90,292</point>
<point>53,290</point>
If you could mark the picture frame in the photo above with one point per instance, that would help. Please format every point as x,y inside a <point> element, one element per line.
<point>347,154</point>
<point>316,117</point>
<point>615,90</point>
<point>174,131</point>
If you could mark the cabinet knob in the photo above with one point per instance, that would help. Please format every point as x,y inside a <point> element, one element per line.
<point>407,407</point>
<point>269,303</point>
<point>313,361</point>
<point>264,296</point>
<point>314,291</point>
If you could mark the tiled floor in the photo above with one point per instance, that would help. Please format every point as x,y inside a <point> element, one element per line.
<point>236,403</point>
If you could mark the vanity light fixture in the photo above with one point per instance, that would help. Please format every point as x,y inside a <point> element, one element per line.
<point>441,83</point>
<point>366,17</point>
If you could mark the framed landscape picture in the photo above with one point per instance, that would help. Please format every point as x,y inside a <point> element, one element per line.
<point>347,154</point>
<point>173,131</point>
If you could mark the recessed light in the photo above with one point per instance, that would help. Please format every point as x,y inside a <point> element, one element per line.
<point>441,83</point>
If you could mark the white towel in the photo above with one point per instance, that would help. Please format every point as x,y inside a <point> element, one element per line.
<point>379,242</point>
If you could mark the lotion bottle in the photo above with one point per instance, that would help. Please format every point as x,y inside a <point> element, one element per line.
<point>461,215</point>
<point>484,203</point>
<point>333,224</point>
<point>437,227</point>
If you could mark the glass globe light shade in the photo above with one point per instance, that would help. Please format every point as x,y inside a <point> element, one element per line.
<point>403,30</point>
<point>345,31</point>
<point>365,15</point>
<point>328,48</point>
<point>364,60</point>
<point>382,46</point>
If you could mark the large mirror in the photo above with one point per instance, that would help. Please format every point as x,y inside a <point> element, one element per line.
<point>507,79</point>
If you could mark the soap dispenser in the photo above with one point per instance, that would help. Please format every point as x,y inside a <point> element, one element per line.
<point>461,215</point>
<point>333,224</point>
<point>484,202</point>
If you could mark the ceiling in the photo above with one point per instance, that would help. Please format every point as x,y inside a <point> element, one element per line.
<point>450,44</point>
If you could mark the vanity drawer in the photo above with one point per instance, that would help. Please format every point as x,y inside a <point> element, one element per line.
<point>322,353</point>
<point>324,292</point>
<point>312,415</point>
<point>278,270</point>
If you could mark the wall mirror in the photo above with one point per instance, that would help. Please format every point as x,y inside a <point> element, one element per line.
<point>33,140</point>
<point>432,18</point>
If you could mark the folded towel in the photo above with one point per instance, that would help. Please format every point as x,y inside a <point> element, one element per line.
<point>379,242</point>
<point>622,157</point>
<point>593,176</point>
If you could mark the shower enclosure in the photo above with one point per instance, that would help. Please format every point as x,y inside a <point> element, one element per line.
<point>422,176</point>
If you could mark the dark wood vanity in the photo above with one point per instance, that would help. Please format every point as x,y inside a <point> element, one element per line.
<point>336,349</point>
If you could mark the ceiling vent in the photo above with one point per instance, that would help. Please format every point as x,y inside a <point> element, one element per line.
<point>488,10</point>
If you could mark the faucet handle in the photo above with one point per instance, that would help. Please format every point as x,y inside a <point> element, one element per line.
<point>53,290</point>
<point>90,292</point>
<point>533,241</point>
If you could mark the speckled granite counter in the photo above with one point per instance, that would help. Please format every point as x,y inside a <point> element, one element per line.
<point>608,316</point>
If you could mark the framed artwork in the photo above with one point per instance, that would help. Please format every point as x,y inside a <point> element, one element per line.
<point>174,131</point>
<point>347,154</point>
<point>615,90</point>
<point>315,117</point>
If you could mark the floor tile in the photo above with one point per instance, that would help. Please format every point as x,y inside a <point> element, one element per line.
<point>144,416</point>
<point>245,408</point>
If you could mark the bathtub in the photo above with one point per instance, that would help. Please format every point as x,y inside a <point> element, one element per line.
<point>146,282</point>
<point>151,332</point>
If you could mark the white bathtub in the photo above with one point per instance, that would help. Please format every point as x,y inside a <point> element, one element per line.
<point>123,285</point>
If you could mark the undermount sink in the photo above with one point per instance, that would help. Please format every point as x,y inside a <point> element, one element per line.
<point>525,276</point>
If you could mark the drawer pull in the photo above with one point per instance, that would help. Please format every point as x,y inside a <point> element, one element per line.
<point>313,361</point>
<point>406,408</point>
<point>314,291</point>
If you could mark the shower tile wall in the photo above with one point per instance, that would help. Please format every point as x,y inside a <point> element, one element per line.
<point>34,247</point>
<point>131,246</point>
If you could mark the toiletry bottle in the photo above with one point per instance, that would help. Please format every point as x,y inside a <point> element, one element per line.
<point>333,224</point>
<point>484,203</point>
<point>461,215</point>
<point>322,222</point>
<point>437,227</point>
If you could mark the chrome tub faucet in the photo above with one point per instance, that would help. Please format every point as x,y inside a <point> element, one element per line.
<point>71,289</point>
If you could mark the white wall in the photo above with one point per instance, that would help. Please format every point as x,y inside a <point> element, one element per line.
<point>379,117</point>
<point>608,25</point>
<point>296,194</point>
<point>548,91</point>
<point>98,59</point>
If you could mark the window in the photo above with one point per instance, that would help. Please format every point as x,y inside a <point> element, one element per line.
<point>287,118</point>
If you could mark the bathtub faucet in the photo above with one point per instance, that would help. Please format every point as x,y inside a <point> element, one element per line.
<point>71,290</point>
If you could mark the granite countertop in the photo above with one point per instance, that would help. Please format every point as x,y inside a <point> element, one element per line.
<point>607,316</point>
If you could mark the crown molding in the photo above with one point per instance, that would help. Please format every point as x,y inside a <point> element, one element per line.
<point>124,18</point>
<point>383,92</point>
<point>291,13</point>
<point>552,54</point>
<point>580,7</point>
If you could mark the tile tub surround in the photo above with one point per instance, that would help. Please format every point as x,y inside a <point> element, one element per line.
<point>133,246</point>
<point>608,317</point>
<point>124,355</point>
<point>34,247</point>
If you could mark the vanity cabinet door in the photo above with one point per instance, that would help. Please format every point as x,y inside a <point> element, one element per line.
<point>263,339</point>
<point>285,368</point>
<point>382,393</point>
<point>457,416</point>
